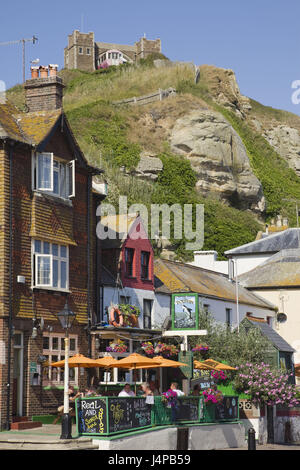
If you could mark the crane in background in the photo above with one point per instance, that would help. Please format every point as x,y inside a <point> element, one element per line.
<point>21,41</point>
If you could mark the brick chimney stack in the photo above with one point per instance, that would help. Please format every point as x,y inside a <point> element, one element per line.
<point>44,90</point>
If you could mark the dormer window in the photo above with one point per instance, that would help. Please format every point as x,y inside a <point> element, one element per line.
<point>53,176</point>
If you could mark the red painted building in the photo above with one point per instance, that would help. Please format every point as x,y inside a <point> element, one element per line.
<point>127,278</point>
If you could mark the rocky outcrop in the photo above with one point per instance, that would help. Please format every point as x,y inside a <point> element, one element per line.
<point>149,166</point>
<point>218,157</point>
<point>224,89</point>
<point>286,141</point>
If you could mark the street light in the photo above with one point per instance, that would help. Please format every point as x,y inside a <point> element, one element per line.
<point>66,318</point>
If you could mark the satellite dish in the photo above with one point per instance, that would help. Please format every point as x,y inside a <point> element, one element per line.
<point>167,323</point>
<point>281,317</point>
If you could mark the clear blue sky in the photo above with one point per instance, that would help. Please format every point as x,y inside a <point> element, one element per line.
<point>258,39</point>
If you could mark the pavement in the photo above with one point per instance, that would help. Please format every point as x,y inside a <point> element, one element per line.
<point>48,437</point>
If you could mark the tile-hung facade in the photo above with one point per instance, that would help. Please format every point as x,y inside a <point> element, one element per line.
<point>47,246</point>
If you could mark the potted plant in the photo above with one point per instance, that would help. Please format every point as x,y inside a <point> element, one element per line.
<point>130,314</point>
<point>118,346</point>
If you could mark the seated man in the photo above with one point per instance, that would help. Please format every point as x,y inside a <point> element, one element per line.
<point>126,392</point>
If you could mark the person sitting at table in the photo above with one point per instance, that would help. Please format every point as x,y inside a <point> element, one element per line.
<point>146,389</point>
<point>126,392</point>
<point>90,392</point>
<point>196,390</point>
<point>154,388</point>
<point>174,387</point>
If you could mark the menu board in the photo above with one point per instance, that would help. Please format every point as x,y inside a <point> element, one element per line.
<point>128,413</point>
<point>91,415</point>
<point>188,409</point>
<point>203,379</point>
<point>227,409</point>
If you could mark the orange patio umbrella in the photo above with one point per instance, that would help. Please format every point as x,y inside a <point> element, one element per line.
<point>216,365</point>
<point>106,362</point>
<point>134,361</point>
<point>78,360</point>
<point>202,366</point>
<point>162,362</point>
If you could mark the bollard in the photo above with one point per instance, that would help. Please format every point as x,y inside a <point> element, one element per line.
<point>251,439</point>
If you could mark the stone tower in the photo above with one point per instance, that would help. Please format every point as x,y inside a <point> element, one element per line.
<point>80,52</point>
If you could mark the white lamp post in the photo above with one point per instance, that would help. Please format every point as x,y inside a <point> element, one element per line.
<point>66,318</point>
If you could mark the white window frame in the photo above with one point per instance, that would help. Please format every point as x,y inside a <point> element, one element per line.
<point>70,178</point>
<point>36,169</point>
<point>43,256</point>
<point>52,257</point>
<point>60,353</point>
<point>66,188</point>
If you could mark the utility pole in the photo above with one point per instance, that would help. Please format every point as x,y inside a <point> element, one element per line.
<point>297,216</point>
<point>21,41</point>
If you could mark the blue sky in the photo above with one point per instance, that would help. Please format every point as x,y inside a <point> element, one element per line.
<point>258,39</point>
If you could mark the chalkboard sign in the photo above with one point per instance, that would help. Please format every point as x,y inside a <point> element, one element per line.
<point>128,413</point>
<point>91,415</point>
<point>227,409</point>
<point>203,379</point>
<point>188,409</point>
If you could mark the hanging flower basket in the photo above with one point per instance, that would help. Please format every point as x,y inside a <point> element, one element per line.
<point>166,350</point>
<point>117,346</point>
<point>148,348</point>
<point>161,349</point>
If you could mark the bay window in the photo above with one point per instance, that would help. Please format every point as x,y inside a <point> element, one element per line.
<point>50,263</point>
<point>53,176</point>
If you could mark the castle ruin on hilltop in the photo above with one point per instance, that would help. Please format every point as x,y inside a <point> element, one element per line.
<point>84,53</point>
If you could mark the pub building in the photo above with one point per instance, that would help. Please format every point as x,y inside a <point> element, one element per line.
<point>48,246</point>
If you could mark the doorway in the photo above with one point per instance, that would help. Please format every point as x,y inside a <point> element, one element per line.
<point>18,371</point>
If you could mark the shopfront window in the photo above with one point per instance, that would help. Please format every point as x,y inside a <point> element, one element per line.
<point>54,350</point>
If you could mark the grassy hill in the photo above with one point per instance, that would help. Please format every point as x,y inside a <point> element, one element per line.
<point>110,138</point>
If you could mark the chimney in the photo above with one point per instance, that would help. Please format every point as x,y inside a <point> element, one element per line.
<point>44,90</point>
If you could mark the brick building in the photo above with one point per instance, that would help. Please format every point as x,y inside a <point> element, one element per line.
<point>84,53</point>
<point>47,245</point>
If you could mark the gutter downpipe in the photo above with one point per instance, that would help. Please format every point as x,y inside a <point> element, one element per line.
<point>237,298</point>
<point>89,191</point>
<point>10,317</point>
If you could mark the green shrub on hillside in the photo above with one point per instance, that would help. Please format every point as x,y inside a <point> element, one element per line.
<point>279,182</point>
<point>99,125</point>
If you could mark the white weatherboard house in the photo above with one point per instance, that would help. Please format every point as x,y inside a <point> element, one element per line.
<point>250,255</point>
<point>277,280</point>
<point>215,293</point>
